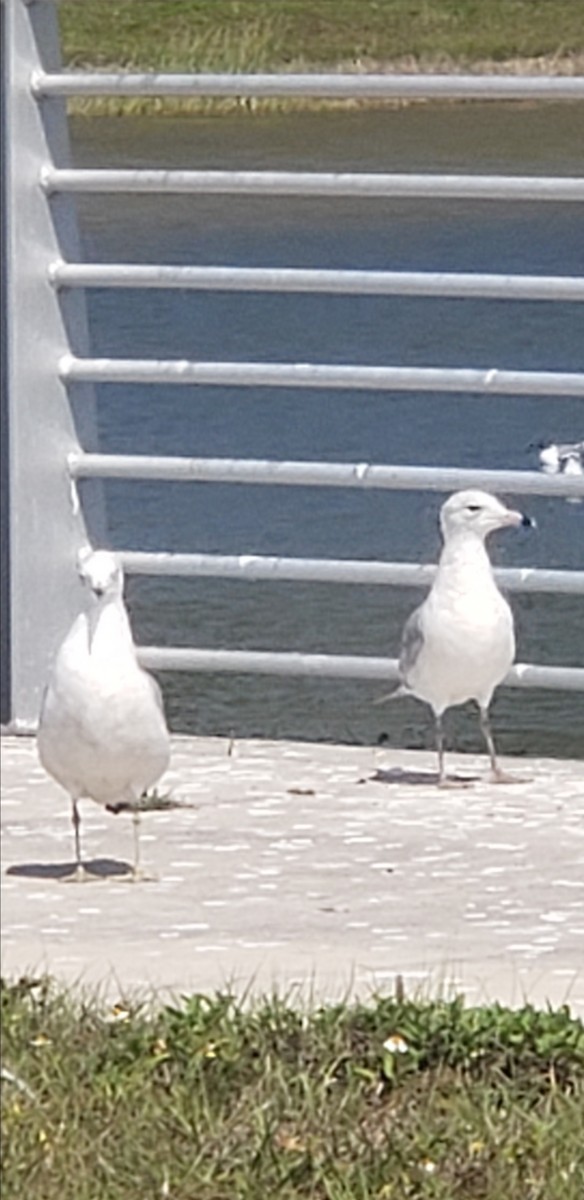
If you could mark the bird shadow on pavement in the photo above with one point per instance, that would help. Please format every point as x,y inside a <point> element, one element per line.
<point>397,775</point>
<point>96,868</point>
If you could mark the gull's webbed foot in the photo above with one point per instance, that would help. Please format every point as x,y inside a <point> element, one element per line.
<point>498,775</point>
<point>139,875</point>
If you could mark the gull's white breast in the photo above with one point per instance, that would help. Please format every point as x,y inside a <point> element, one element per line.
<point>469,642</point>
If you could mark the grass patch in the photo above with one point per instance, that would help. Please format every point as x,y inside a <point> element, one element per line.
<point>206,1099</point>
<point>195,35</point>
<point>260,35</point>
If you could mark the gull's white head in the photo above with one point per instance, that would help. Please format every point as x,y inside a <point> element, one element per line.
<point>102,572</point>
<point>477,513</point>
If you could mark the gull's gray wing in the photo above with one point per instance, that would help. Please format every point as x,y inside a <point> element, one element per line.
<point>43,703</point>
<point>156,692</point>
<point>411,644</point>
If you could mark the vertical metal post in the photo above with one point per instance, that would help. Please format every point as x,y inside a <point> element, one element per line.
<point>5,678</point>
<point>44,526</point>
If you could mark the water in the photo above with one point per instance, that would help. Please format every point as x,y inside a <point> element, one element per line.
<point>465,431</point>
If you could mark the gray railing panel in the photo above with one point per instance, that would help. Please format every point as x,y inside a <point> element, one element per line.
<point>50,404</point>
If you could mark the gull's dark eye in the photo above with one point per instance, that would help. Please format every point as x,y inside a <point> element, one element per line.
<point>473,508</point>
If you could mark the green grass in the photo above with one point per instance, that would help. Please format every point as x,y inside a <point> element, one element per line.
<point>284,35</point>
<point>253,34</point>
<point>206,1100</point>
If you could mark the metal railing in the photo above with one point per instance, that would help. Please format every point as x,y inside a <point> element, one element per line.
<point>314,183</point>
<point>457,285</point>
<point>46,280</point>
<point>314,474</point>
<point>348,87</point>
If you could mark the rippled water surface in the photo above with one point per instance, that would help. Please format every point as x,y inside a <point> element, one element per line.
<point>410,428</point>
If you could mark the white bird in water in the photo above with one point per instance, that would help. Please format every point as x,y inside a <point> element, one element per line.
<point>102,732</point>
<point>554,455</point>
<point>460,643</point>
<point>562,458</point>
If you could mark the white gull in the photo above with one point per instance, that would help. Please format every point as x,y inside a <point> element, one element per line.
<point>102,732</point>
<point>566,458</point>
<point>460,643</point>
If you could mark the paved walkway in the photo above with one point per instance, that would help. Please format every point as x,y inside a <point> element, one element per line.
<point>313,868</point>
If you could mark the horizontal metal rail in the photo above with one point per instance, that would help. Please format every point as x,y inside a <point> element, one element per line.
<point>317,474</point>
<point>458,285</point>
<point>321,375</point>
<point>334,666</point>
<point>345,86</point>
<point>257,567</point>
<point>312,183</point>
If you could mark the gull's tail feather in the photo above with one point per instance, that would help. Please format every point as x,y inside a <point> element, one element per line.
<point>401,690</point>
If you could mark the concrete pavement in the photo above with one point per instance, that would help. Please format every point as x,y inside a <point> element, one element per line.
<point>316,869</point>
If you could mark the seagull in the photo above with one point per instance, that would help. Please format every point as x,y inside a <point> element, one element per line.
<point>565,458</point>
<point>460,643</point>
<point>102,732</point>
<point>557,458</point>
